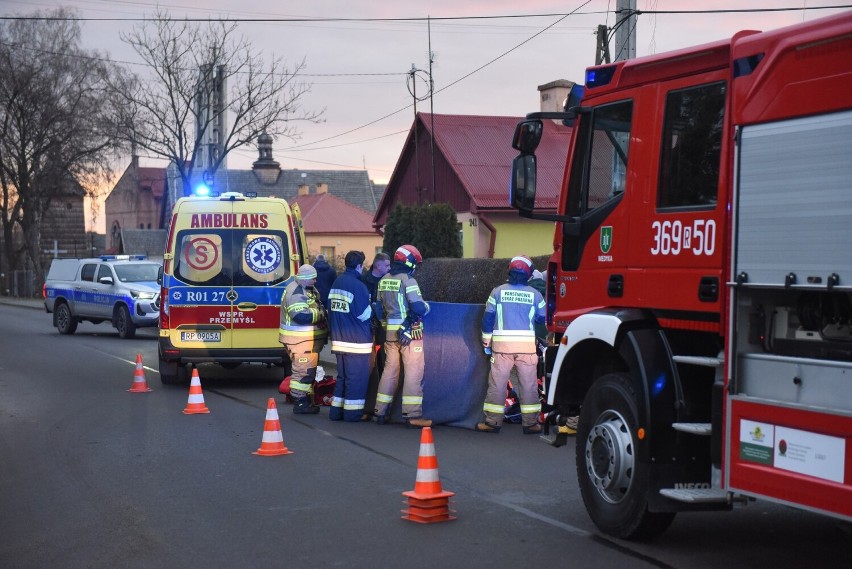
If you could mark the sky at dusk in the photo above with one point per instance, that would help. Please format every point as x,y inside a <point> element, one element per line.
<point>483,66</point>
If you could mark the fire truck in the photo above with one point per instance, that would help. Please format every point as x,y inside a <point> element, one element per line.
<point>699,295</point>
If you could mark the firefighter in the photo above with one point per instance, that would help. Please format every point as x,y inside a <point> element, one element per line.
<point>400,306</point>
<point>304,332</point>
<point>350,314</point>
<point>508,335</point>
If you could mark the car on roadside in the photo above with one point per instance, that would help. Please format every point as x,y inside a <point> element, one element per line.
<point>120,289</point>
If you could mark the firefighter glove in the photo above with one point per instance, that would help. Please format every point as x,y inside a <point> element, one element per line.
<point>404,335</point>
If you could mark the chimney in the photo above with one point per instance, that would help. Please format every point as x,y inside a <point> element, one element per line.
<point>304,190</point>
<point>322,188</point>
<point>552,96</point>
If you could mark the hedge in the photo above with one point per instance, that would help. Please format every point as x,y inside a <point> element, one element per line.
<point>465,281</point>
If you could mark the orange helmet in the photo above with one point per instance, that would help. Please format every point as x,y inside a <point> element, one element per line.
<point>408,255</point>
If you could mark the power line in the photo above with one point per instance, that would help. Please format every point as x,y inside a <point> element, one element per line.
<point>420,19</point>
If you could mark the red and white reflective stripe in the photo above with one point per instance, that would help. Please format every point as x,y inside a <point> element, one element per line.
<point>525,260</point>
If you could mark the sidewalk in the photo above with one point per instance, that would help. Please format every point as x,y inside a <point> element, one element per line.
<point>327,360</point>
<point>37,303</point>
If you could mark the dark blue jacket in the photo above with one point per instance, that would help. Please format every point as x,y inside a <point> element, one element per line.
<point>349,314</point>
<point>325,278</point>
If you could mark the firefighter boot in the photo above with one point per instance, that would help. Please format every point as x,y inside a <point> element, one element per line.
<point>304,406</point>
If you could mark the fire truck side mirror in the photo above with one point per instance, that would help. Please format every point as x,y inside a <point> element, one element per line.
<point>527,136</point>
<point>523,183</point>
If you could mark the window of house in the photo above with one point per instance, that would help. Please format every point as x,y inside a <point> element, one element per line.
<point>692,146</point>
<point>328,252</point>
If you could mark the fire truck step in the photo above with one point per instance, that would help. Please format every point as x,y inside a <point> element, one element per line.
<point>696,495</point>
<point>694,428</point>
<point>699,360</point>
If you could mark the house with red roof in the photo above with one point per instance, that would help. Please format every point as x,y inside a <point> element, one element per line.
<point>466,161</point>
<point>334,226</point>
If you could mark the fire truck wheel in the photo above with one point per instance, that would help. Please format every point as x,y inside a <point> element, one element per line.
<point>613,483</point>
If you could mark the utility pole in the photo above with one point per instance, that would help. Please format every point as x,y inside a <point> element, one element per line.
<point>625,34</point>
<point>602,49</point>
<point>625,30</point>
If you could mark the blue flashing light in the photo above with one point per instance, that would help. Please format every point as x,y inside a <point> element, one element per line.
<point>659,385</point>
<point>599,76</point>
<point>202,190</point>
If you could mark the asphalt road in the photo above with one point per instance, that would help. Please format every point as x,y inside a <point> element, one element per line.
<point>93,476</point>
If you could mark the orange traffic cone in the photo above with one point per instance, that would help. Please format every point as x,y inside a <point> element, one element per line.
<point>428,502</point>
<point>195,403</point>
<point>140,384</point>
<point>273,441</point>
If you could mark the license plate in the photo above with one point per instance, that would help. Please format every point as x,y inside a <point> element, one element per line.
<point>200,336</point>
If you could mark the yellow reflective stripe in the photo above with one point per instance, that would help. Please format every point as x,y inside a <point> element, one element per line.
<point>307,334</point>
<point>531,408</point>
<point>412,288</point>
<point>337,402</point>
<point>298,385</point>
<point>412,400</point>
<point>353,404</point>
<point>486,336</point>
<point>382,398</point>
<point>512,334</point>
<point>297,307</point>
<point>493,408</point>
<point>340,294</point>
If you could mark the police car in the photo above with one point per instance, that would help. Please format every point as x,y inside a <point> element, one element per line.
<point>121,289</point>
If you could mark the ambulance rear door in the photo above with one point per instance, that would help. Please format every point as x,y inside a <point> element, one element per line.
<point>300,243</point>
<point>262,269</point>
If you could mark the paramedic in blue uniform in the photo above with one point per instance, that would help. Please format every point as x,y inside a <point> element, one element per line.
<point>402,307</point>
<point>304,332</point>
<point>508,334</point>
<point>351,339</point>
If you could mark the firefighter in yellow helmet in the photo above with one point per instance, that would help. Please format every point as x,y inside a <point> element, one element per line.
<point>304,332</point>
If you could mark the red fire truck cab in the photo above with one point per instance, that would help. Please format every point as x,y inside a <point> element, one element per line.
<point>699,289</point>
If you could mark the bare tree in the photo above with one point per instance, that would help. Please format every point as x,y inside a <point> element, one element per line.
<point>173,112</point>
<point>55,138</point>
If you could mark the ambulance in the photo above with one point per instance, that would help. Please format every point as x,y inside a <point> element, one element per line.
<point>228,258</point>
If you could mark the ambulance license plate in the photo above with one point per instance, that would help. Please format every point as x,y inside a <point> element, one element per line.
<point>197,336</point>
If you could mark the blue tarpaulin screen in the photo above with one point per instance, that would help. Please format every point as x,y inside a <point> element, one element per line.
<point>456,375</point>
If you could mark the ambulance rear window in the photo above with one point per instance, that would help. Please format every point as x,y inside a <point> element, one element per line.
<point>232,257</point>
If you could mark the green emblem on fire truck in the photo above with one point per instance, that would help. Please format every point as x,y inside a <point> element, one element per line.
<point>606,239</point>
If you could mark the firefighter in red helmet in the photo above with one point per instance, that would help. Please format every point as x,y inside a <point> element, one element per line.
<point>508,334</point>
<point>400,307</point>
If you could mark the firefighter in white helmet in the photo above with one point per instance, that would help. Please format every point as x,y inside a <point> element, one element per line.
<point>508,334</point>
<point>400,306</point>
<point>304,332</point>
